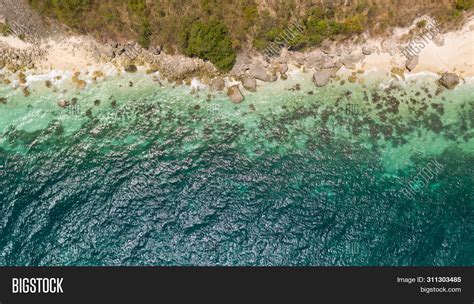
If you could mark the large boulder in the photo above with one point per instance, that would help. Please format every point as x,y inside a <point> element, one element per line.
<point>329,64</point>
<point>398,72</point>
<point>367,50</point>
<point>449,80</point>
<point>96,131</point>
<point>155,50</point>
<point>109,52</point>
<point>283,68</point>
<point>411,63</point>
<point>63,103</point>
<point>273,78</point>
<point>438,40</point>
<point>235,95</point>
<point>120,49</point>
<point>327,48</point>
<point>131,68</point>
<point>250,84</point>
<point>322,77</point>
<point>218,84</point>
<point>113,44</point>
<point>314,59</point>
<point>350,61</point>
<point>242,64</point>
<point>258,71</point>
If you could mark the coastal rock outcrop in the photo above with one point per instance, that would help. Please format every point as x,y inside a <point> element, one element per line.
<point>218,84</point>
<point>438,40</point>
<point>313,59</point>
<point>180,67</point>
<point>367,50</point>
<point>258,71</point>
<point>398,72</point>
<point>131,68</point>
<point>329,64</point>
<point>242,63</point>
<point>350,61</point>
<point>328,48</point>
<point>283,68</point>
<point>63,103</point>
<point>235,95</point>
<point>411,63</point>
<point>155,50</point>
<point>14,59</point>
<point>109,51</point>
<point>96,131</point>
<point>250,84</point>
<point>449,80</point>
<point>322,77</point>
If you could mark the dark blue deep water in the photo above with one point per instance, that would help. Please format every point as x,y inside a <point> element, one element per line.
<point>297,183</point>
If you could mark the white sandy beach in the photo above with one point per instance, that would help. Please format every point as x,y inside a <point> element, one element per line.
<point>80,53</point>
<point>455,55</point>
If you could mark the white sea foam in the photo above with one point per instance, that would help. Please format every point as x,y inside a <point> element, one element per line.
<point>421,74</point>
<point>197,84</point>
<point>293,71</point>
<point>56,77</point>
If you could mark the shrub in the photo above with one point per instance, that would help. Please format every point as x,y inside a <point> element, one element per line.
<point>455,14</point>
<point>246,21</point>
<point>464,4</point>
<point>145,34</point>
<point>250,14</point>
<point>260,44</point>
<point>266,31</point>
<point>421,23</point>
<point>136,6</point>
<point>273,34</point>
<point>210,41</point>
<point>69,12</point>
<point>4,30</point>
<point>354,25</point>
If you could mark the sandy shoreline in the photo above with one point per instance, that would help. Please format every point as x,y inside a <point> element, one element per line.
<point>452,52</point>
<point>456,54</point>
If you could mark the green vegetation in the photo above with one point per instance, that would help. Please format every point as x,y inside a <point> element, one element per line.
<point>210,41</point>
<point>215,30</point>
<point>136,6</point>
<point>145,34</point>
<point>268,29</point>
<point>421,23</point>
<point>70,12</point>
<point>464,4</point>
<point>318,24</point>
<point>5,30</point>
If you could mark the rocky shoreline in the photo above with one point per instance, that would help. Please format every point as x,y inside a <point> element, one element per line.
<point>333,61</point>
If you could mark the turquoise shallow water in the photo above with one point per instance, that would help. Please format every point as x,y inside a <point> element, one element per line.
<point>295,175</point>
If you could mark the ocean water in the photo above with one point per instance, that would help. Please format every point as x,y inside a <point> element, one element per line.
<point>142,174</point>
